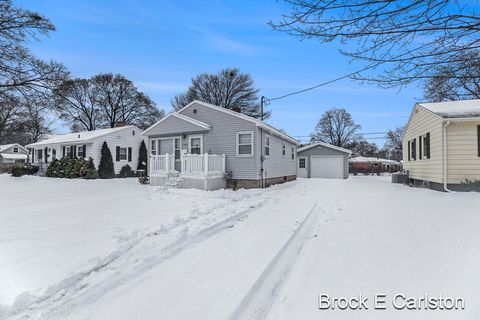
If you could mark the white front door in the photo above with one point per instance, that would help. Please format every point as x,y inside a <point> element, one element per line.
<point>327,167</point>
<point>302,170</point>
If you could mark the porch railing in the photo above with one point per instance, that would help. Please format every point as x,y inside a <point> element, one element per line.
<point>194,164</point>
<point>162,163</point>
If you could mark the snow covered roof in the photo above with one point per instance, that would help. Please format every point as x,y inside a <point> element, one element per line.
<point>8,146</point>
<point>454,109</point>
<point>85,136</point>
<point>257,122</point>
<point>372,160</point>
<point>14,156</point>
<point>325,145</point>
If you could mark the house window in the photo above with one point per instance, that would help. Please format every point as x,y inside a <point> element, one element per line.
<point>176,146</point>
<point>40,154</point>
<point>412,150</point>
<point>425,146</point>
<point>267,145</point>
<point>54,154</point>
<point>123,153</point>
<point>293,153</point>
<point>245,144</point>
<point>153,149</point>
<point>133,132</point>
<point>196,145</point>
<point>80,152</point>
<point>301,163</point>
<point>15,150</point>
<point>284,150</point>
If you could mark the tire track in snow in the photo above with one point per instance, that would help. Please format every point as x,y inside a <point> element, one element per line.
<point>256,304</point>
<point>79,289</point>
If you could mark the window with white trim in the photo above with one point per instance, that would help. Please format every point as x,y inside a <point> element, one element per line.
<point>267,145</point>
<point>301,163</point>
<point>69,151</point>
<point>123,153</point>
<point>80,152</point>
<point>153,148</point>
<point>15,150</point>
<point>245,144</point>
<point>195,145</point>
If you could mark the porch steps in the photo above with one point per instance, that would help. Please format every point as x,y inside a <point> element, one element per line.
<point>173,180</point>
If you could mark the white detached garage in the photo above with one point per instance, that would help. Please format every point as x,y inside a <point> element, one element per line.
<point>322,160</point>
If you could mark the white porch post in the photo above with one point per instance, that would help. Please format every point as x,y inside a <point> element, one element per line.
<point>205,164</point>
<point>182,161</point>
<point>223,164</point>
<point>167,163</point>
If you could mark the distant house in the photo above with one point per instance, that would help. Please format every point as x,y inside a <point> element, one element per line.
<point>370,165</point>
<point>323,160</point>
<point>441,145</point>
<point>12,154</point>
<point>203,146</point>
<point>123,142</point>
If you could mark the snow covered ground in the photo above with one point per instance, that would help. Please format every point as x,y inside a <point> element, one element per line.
<point>114,249</point>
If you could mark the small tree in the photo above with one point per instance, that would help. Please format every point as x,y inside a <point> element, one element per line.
<point>106,169</point>
<point>142,157</point>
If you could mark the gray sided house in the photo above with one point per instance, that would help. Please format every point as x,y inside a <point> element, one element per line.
<point>323,160</point>
<point>123,142</point>
<point>11,155</point>
<point>203,145</point>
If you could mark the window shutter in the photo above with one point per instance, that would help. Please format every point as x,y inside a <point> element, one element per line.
<point>63,148</point>
<point>427,145</point>
<point>409,150</point>
<point>117,154</point>
<point>84,150</point>
<point>478,139</point>
<point>129,154</point>
<point>74,151</point>
<point>414,149</point>
<point>420,147</point>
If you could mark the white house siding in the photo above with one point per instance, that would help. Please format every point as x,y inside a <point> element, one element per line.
<point>124,139</point>
<point>277,165</point>
<point>173,124</point>
<point>221,139</point>
<point>421,122</point>
<point>463,159</point>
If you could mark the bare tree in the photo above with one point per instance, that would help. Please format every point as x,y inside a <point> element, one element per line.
<point>404,40</point>
<point>336,127</point>
<point>36,109</point>
<point>364,148</point>
<point>120,101</point>
<point>394,143</point>
<point>9,117</point>
<point>456,81</point>
<point>76,104</point>
<point>19,69</point>
<point>228,89</point>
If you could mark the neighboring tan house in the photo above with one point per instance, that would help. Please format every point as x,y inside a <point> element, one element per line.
<point>12,154</point>
<point>203,145</point>
<point>323,160</point>
<point>123,142</point>
<point>441,145</point>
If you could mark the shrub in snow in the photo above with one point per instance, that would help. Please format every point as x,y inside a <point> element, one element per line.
<point>126,172</point>
<point>144,180</point>
<point>142,157</point>
<point>18,171</point>
<point>105,168</point>
<point>72,168</point>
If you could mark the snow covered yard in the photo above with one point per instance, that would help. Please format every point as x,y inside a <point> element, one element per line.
<point>114,249</point>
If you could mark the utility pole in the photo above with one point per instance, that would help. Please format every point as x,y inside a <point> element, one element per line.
<point>262,171</point>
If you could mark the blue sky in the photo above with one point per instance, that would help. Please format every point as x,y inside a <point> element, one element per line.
<point>160,45</point>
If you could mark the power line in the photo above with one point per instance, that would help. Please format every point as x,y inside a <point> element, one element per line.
<point>324,83</point>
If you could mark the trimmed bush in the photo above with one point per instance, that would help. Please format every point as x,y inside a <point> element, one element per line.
<point>142,157</point>
<point>126,172</point>
<point>72,169</point>
<point>18,171</point>
<point>105,168</point>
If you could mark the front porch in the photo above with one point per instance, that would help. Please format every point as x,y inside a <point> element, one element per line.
<point>206,171</point>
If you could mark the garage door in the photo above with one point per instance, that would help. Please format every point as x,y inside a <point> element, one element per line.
<point>327,167</point>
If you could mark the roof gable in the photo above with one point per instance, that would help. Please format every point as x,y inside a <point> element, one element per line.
<point>323,145</point>
<point>176,123</point>
<point>257,122</point>
<point>454,109</point>
<point>8,146</point>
